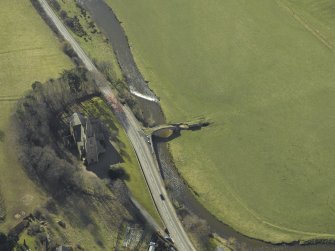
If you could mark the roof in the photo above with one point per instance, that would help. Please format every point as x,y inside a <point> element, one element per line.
<point>91,150</point>
<point>77,119</point>
<point>63,248</point>
<point>86,134</point>
<point>89,128</point>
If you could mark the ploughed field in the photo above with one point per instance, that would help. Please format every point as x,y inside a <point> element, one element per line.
<point>263,73</point>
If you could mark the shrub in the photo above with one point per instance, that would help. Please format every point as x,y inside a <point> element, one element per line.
<point>68,50</point>
<point>74,24</point>
<point>55,5</point>
<point>117,172</point>
<point>63,14</point>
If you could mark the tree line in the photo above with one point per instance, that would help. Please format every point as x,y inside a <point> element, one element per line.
<point>35,122</point>
<point>37,125</point>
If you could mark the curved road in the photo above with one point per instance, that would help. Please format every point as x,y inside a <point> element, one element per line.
<point>139,141</point>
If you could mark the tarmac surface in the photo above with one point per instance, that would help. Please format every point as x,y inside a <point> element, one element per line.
<point>139,141</point>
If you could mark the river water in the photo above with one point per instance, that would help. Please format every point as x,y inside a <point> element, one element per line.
<point>114,32</point>
<point>106,20</point>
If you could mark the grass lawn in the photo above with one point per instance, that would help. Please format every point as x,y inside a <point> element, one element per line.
<point>136,183</point>
<point>263,72</point>
<point>28,52</point>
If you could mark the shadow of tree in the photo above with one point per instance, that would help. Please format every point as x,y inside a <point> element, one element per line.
<point>110,157</point>
<point>2,136</point>
<point>118,172</point>
<point>79,212</point>
<point>173,136</point>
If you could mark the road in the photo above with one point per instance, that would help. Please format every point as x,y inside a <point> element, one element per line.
<point>105,19</point>
<point>139,141</point>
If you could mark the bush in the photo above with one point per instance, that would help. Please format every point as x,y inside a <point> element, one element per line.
<point>68,50</point>
<point>117,172</point>
<point>74,78</point>
<point>42,237</point>
<point>34,228</point>
<point>82,10</point>
<point>122,89</point>
<point>55,5</point>
<point>106,69</point>
<point>63,14</point>
<point>74,24</point>
<point>51,206</point>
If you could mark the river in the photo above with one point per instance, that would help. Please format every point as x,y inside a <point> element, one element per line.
<point>106,20</point>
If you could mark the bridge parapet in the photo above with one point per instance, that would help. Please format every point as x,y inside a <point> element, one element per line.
<point>166,130</point>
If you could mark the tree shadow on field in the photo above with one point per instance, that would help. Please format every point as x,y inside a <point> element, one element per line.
<point>2,136</point>
<point>107,159</point>
<point>79,212</point>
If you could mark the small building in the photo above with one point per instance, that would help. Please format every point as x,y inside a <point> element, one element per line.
<point>87,137</point>
<point>152,246</point>
<point>63,248</point>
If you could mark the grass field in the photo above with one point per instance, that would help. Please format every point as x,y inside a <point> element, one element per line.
<point>28,52</point>
<point>263,72</point>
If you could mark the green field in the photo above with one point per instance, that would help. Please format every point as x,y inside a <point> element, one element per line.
<point>28,52</point>
<point>263,73</point>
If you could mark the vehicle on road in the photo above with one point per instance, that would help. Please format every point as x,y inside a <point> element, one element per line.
<point>132,128</point>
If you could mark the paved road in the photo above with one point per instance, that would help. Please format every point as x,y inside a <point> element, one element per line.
<point>139,141</point>
<point>106,20</point>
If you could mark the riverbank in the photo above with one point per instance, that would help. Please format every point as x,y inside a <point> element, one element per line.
<point>187,199</point>
<point>266,83</point>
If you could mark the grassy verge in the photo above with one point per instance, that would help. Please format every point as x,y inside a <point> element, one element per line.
<point>264,76</point>
<point>94,43</point>
<point>136,183</point>
<point>29,52</point>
